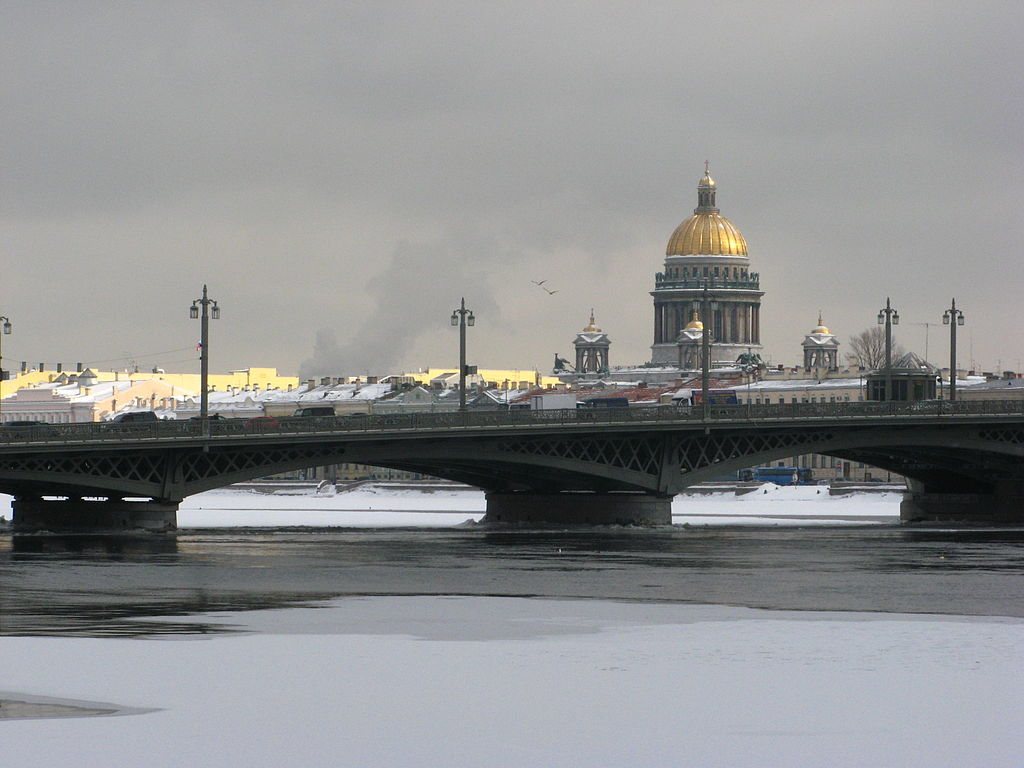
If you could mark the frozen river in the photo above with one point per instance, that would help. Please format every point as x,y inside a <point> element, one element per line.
<point>388,629</point>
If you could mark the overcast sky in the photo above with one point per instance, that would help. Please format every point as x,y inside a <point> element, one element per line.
<point>340,174</point>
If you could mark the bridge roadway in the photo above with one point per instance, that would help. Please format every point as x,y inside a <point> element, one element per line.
<point>964,460</point>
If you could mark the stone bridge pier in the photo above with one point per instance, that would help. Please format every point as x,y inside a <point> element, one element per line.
<point>34,514</point>
<point>579,508</point>
<point>1004,504</point>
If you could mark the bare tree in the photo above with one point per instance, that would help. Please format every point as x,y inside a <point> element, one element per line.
<point>869,348</point>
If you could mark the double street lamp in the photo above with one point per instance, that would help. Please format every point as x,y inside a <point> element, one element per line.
<point>888,317</point>
<point>204,308</point>
<point>7,332</point>
<point>952,317</point>
<point>706,306</point>
<point>463,317</point>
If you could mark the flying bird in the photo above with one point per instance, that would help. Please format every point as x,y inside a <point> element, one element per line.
<point>540,284</point>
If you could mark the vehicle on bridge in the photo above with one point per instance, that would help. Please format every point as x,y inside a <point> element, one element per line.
<point>604,402</point>
<point>135,417</point>
<point>777,475</point>
<point>716,397</point>
<point>315,410</point>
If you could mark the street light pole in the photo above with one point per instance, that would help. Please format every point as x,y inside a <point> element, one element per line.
<point>462,317</point>
<point>889,317</point>
<point>204,308</point>
<point>6,332</point>
<point>705,353</point>
<point>952,317</point>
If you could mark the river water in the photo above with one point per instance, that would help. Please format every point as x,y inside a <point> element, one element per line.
<point>116,587</point>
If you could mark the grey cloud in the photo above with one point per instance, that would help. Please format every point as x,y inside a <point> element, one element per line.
<point>272,148</point>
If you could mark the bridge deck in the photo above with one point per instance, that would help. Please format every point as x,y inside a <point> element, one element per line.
<point>655,418</point>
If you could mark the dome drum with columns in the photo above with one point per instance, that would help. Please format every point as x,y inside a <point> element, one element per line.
<point>821,349</point>
<point>591,346</point>
<point>707,250</point>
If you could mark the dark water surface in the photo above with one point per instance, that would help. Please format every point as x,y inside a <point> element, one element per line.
<point>97,586</point>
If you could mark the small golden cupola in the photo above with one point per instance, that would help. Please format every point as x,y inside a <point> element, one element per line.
<point>821,329</point>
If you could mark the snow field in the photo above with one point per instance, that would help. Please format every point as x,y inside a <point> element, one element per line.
<point>429,681</point>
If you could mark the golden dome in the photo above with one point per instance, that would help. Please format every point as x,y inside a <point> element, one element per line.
<point>821,328</point>
<point>695,324</point>
<point>706,234</point>
<point>591,327</point>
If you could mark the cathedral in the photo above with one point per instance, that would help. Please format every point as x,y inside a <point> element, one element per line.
<point>706,251</point>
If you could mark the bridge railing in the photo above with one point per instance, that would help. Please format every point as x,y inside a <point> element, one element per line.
<point>362,423</point>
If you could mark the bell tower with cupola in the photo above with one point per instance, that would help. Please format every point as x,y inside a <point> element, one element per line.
<point>707,251</point>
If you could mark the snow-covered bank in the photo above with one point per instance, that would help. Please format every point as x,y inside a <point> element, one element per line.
<point>382,506</point>
<point>433,681</point>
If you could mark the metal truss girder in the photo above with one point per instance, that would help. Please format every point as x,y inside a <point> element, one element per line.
<point>633,454</point>
<point>696,452</point>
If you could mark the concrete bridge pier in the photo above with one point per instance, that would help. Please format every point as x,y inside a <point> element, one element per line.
<point>1005,505</point>
<point>579,508</point>
<point>77,515</point>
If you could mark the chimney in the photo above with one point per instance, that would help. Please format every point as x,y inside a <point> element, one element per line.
<point>371,379</point>
<point>79,367</point>
<point>60,367</point>
<point>24,367</point>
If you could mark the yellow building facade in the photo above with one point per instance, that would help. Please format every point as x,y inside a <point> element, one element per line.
<point>246,378</point>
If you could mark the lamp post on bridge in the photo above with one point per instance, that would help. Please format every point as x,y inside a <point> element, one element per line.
<point>204,309</point>
<point>7,332</point>
<point>889,317</point>
<point>952,317</point>
<point>706,305</point>
<point>462,317</point>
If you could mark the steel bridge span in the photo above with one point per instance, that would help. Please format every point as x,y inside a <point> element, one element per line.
<point>963,460</point>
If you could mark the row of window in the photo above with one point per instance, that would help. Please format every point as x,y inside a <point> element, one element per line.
<point>804,399</point>
<point>812,461</point>
<point>738,273</point>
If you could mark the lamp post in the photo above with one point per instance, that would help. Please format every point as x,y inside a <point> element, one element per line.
<point>706,305</point>
<point>462,317</point>
<point>208,309</point>
<point>888,317</point>
<point>952,317</point>
<point>7,331</point>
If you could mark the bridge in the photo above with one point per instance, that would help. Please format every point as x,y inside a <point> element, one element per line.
<point>963,460</point>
